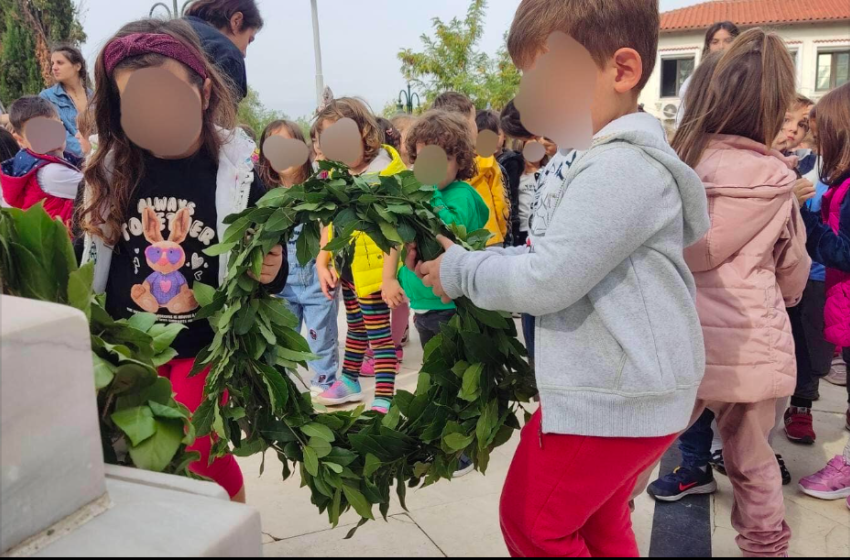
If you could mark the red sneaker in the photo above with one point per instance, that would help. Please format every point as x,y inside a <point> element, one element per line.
<point>799,426</point>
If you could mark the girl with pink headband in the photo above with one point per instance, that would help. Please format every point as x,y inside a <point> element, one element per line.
<point>149,214</point>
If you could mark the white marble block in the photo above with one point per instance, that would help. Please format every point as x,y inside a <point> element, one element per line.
<point>50,450</point>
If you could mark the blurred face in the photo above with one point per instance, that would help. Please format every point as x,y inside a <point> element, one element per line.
<point>26,142</point>
<point>63,70</point>
<point>796,126</point>
<point>551,147</point>
<point>451,174</point>
<point>293,171</point>
<point>239,35</point>
<point>721,41</point>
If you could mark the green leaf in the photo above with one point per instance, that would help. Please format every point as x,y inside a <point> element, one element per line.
<point>278,221</point>
<point>157,452</point>
<point>236,230</point>
<point>159,391</point>
<point>277,312</point>
<point>244,320</point>
<point>334,467</point>
<point>320,446</point>
<point>164,357</point>
<point>358,502</point>
<point>471,380</point>
<point>80,288</point>
<point>257,262</point>
<point>390,232</point>
<point>164,334</point>
<point>320,431</point>
<point>273,198</point>
<point>163,411</point>
<point>372,465</point>
<point>219,249</point>
<point>137,423</point>
<point>204,293</point>
<point>406,232</point>
<point>487,423</point>
<point>311,461</point>
<point>104,372</point>
<point>402,209</point>
<point>142,321</point>
<point>457,442</point>
<point>333,513</point>
<point>203,417</point>
<point>249,448</point>
<point>392,418</point>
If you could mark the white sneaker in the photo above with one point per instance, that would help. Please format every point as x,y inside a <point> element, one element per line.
<point>837,373</point>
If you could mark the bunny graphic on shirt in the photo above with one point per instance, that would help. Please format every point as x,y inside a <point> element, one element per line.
<point>166,286</point>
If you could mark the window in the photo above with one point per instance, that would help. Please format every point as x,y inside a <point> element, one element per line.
<point>674,72</point>
<point>833,69</point>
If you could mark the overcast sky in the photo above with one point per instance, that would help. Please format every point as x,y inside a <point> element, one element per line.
<point>360,40</point>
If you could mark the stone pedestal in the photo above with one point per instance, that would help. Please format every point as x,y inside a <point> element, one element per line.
<point>57,497</point>
<point>50,452</point>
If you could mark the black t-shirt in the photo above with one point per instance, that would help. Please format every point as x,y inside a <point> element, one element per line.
<point>170,222</point>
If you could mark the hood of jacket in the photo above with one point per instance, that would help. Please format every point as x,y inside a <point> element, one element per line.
<point>646,132</point>
<point>757,178</point>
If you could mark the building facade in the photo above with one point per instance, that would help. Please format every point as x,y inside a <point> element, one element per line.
<point>817,33</point>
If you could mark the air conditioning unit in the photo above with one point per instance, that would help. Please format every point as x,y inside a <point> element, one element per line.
<point>670,109</point>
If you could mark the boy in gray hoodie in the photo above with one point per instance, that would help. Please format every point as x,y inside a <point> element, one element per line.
<point>619,349</point>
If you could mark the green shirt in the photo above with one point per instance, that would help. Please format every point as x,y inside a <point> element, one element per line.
<point>458,204</point>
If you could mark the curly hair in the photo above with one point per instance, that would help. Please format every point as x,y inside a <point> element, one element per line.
<point>358,111</point>
<point>449,131</point>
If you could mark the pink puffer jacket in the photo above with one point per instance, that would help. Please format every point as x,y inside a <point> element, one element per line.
<point>837,309</point>
<point>750,265</point>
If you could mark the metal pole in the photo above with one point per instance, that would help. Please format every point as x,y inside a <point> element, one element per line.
<point>317,48</point>
<point>176,12</point>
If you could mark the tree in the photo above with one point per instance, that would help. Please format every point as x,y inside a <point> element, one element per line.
<point>28,29</point>
<point>253,113</point>
<point>450,61</point>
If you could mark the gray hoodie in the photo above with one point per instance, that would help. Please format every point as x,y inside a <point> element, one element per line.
<point>619,347</point>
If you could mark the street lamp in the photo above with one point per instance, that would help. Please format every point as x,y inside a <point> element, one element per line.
<point>405,100</point>
<point>317,49</point>
<point>172,13</point>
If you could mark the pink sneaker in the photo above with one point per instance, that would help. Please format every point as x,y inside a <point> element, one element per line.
<point>830,483</point>
<point>368,367</point>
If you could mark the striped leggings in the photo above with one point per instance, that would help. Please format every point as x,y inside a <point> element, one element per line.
<point>369,324</point>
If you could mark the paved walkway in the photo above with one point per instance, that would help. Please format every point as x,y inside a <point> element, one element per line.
<point>460,518</point>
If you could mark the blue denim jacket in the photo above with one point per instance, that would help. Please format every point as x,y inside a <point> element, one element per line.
<point>68,113</point>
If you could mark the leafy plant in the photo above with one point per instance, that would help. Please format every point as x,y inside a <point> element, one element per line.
<point>473,377</point>
<point>140,422</point>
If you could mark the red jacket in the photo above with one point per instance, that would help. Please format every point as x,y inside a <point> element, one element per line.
<point>19,181</point>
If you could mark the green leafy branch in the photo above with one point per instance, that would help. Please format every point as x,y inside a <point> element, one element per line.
<point>140,422</point>
<point>473,377</point>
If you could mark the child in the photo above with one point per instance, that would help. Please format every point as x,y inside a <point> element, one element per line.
<point>828,231</point>
<point>367,315</point>
<point>136,198</point>
<point>303,292</point>
<point>454,201</point>
<point>488,182</point>
<point>511,165</point>
<point>748,269</point>
<point>29,178</point>
<point>8,145</point>
<point>402,123</point>
<point>619,352</point>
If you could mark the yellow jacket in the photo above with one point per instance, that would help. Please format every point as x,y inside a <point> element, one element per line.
<point>488,183</point>
<point>368,265</point>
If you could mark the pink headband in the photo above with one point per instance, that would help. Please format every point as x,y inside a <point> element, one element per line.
<point>139,44</point>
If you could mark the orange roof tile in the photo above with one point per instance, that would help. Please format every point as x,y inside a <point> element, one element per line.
<point>754,12</point>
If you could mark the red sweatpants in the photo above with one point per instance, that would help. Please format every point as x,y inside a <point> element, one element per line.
<point>568,495</point>
<point>189,391</point>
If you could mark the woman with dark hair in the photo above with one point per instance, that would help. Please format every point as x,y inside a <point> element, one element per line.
<point>71,93</point>
<point>226,28</point>
<point>718,37</point>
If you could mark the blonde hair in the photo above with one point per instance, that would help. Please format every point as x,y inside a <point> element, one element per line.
<point>358,111</point>
<point>744,91</point>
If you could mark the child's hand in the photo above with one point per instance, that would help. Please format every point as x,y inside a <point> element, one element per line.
<point>271,265</point>
<point>327,280</point>
<point>392,293</point>
<point>804,190</point>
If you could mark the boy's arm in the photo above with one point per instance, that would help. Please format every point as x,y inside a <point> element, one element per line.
<point>59,181</point>
<point>597,226</point>
<point>391,290</point>
<point>447,211</point>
